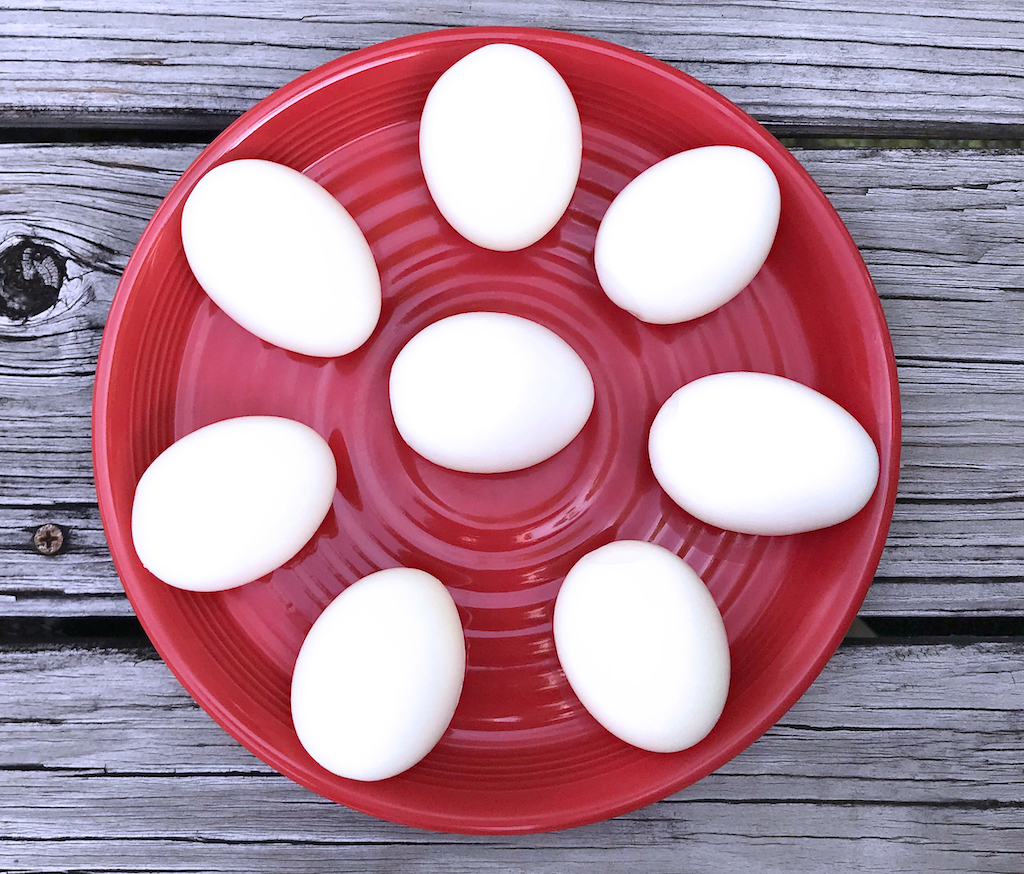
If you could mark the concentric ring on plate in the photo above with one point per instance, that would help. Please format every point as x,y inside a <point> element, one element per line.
<point>522,755</point>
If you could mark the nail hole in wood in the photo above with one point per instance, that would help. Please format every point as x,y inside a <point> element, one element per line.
<point>31,276</point>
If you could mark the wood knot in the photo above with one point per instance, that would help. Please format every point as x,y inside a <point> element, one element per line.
<point>31,276</point>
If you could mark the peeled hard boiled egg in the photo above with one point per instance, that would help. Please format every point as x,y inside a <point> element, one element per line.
<point>501,146</point>
<point>282,258</point>
<point>642,645</point>
<point>761,454</point>
<point>489,392</point>
<point>688,234</point>
<point>379,675</point>
<point>232,501</point>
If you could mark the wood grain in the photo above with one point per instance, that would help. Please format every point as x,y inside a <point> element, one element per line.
<point>900,758</point>
<point>859,774</point>
<point>942,233</point>
<point>927,67</point>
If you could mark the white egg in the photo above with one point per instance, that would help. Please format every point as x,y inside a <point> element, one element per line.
<point>282,258</point>
<point>379,675</point>
<point>761,454</point>
<point>688,234</point>
<point>501,146</point>
<point>232,501</point>
<point>489,392</point>
<point>643,645</point>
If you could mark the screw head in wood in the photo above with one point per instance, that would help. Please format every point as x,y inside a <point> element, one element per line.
<point>49,539</point>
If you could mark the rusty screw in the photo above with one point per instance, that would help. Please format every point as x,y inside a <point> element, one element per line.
<point>49,539</point>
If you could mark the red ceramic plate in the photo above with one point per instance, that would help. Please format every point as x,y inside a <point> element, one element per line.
<point>521,754</point>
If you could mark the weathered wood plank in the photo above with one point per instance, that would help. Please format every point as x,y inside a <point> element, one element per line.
<point>884,840</point>
<point>942,232</point>
<point>939,559</point>
<point>897,759</point>
<point>79,580</point>
<point>726,837</point>
<point>930,66</point>
<point>775,838</point>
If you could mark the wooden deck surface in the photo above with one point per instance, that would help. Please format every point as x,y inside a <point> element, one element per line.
<point>906,755</point>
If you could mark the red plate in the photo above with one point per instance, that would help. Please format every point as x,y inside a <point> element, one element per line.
<point>521,754</point>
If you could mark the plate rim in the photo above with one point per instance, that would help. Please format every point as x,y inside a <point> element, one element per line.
<point>279,101</point>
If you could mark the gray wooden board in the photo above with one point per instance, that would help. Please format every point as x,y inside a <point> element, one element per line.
<point>898,758</point>
<point>942,233</point>
<point>766,837</point>
<point>950,67</point>
<point>951,306</point>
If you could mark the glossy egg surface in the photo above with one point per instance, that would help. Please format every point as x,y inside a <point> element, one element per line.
<point>489,393</point>
<point>688,234</point>
<point>379,675</point>
<point>643,645</point>
<point>282,257</point>
<point>232,501</point>
<point>501,146</point>
<point>762,454</point>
